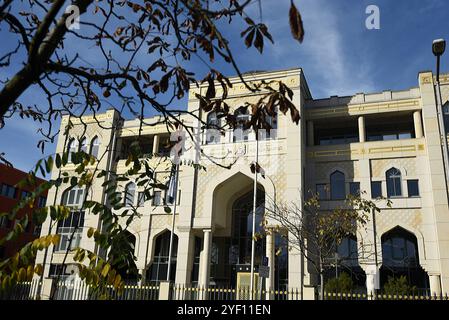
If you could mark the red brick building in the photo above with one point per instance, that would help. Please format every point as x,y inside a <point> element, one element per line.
<point>10,195</point>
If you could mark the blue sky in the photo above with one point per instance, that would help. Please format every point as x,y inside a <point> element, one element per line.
<point>339,55</point>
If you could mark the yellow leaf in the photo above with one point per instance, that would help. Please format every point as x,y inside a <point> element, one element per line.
<point>105,270</point>
<point>22,275</point>
<point>30,273</point>
<point>38,269</point>
<point>55,239</point>
<point>90,232</point>
<point>117,281</point>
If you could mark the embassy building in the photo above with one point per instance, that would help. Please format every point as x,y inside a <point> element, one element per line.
<point>386,144</point>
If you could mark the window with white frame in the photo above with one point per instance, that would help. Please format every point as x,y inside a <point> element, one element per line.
<point>157,198</point>
<point>70,230</point>
<point>72,148</point>
<point>141,199</point>
<point>269,134</point>
<point>130,191</point>
<point>83,145</point>
<point>95,147</point>
<point>212,130</point>
<point>73,197</point>
<point>242,117</point>
<point>394,183</point>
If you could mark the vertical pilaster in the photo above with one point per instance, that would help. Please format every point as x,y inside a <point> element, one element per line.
<point>310,134</point>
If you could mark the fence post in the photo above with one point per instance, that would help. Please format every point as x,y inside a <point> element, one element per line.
<point>47,287</point>
<point>164,290</point>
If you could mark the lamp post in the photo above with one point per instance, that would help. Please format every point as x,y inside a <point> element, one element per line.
<point>438,48</point>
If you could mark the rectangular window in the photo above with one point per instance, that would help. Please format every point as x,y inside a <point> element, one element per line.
<point>71,225</point>
<point>141,199</point>
<point>37,230</point>
<point>376,189</point>
<point>41,202</point>
<point>25,194</point>
<point>8,191</point>
<point>321,190</point>
<point>157,198</point>
<point>354,188</point>
<point>413,188</point>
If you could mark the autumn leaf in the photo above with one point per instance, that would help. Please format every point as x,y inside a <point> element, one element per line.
<point>296,25</point>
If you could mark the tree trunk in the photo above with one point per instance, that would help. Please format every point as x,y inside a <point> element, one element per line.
<point>321,280</point>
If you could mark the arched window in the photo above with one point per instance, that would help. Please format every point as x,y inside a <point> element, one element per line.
<point>159,268</point>
<point>72,148</point>
<point>242,117</point>
<point>94,147</point>
<point>83,144</point>
<point>130,190</point>
<point>400,258</point>
<point>122,256</point>
<point>73,197</point>
<point>338,191</point>
<point>394,188</point>
<point>213,126</point>
<point>399,249</point>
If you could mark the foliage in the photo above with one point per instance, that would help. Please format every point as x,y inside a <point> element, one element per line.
<point>165,35</point>
<point>398,286</point>
<point>342,284</point>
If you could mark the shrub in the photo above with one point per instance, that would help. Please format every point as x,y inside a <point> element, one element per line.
<point>398,286</point>
<point>342,284</point>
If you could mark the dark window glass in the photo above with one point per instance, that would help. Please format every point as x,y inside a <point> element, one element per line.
<point>376,189</point>
<point>242,118</point>
<point>413,188</point>
<point>157,198</point>
<point>394,183</point>
<point>141,199</point>
<point>354,188</point>
<point>41,202</point>
<point>321,191</point>
<point>94,147</point>
<point>25,194</point>
<point>338,186</point>
<point>8,191</point>
<point>130,190</point>
<point>159,267</point>
<point>213,126</point>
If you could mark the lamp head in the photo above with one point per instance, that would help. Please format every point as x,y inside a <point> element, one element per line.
<point>438,47</point>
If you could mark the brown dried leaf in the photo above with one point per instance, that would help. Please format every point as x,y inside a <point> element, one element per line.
<point>296,25</point>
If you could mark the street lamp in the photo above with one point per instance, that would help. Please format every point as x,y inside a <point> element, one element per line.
<point>438,48</point>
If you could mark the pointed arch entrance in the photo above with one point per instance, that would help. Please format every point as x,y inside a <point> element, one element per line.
<point>400,257</point>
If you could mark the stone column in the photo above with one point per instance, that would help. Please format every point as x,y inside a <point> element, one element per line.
<point>269,282</point>
<point>362,132</point>
<point>184,259</point>
<point>418,124</point>
<point>310,134</point>
<point>435,284</point>
<point>372,281</point>
<point>203,277</point>
<point>156,144</point>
